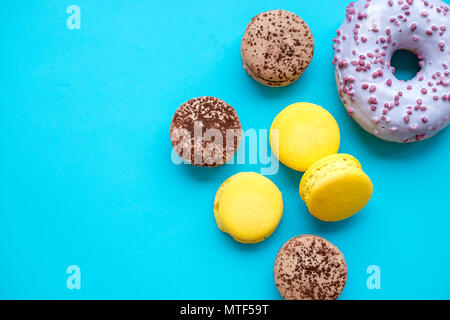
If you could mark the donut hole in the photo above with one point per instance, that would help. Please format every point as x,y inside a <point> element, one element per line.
<point>406,64</point>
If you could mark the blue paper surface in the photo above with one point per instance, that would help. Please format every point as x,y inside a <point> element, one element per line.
<point>86,176</point>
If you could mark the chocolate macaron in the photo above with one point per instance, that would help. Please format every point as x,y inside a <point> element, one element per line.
<point>205,131</point>
<point>309,267</point>
<point>277,47</point>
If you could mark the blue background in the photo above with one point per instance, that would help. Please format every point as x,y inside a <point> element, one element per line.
<point>86,176</point>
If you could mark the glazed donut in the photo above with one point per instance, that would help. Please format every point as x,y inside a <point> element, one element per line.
<point>394,110</point>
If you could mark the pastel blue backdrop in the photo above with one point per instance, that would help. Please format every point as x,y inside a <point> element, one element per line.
<point>86,176</point>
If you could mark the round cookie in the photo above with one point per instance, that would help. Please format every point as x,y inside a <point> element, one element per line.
<point>248,207</point>
<point>205,131</point>
<point>303,133</point>
<point>309,267</point>
<point>277,47</point>
<point>335,188</point>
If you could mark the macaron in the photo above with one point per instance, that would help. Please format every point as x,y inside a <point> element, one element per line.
<point>205,131</point>
<point>276,48</point>
<point>302,134</point>
<point>335,188</point>
<point>309,267</point>
<point>248,207</point>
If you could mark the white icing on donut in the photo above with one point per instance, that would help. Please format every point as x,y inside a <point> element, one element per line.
<point>394,110</point>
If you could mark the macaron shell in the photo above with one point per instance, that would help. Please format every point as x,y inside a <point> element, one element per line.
<point>309,267</point>
<point>302,134</point>
<point>323,167</point>
<point>248,207</point>
<point>195,125</point>
<point>277,47</point>
<point>340,194</point>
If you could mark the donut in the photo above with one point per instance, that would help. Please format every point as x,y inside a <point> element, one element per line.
<point>391,109</point>
<point>205,132</point>
<point>249,207</point>
<point>309,267</point>
<point>276,48</point>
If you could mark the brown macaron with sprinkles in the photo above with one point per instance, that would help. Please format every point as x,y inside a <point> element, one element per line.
<point>205,131</point>
<point>309,267</point>
<point>277,47</point>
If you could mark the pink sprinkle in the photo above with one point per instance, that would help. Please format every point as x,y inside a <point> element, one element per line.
<point>406,119</point>
<point>365,86</point>
<point>424,91</point>
<point>424,119</point>
<point>413,26</point>
<point>389,82</point>
<point>372,88</point>
<point>373,100</point>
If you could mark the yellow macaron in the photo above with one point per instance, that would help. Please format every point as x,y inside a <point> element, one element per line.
<point>303,133</point>
<point>335,188</point>
<point>248,206</point>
